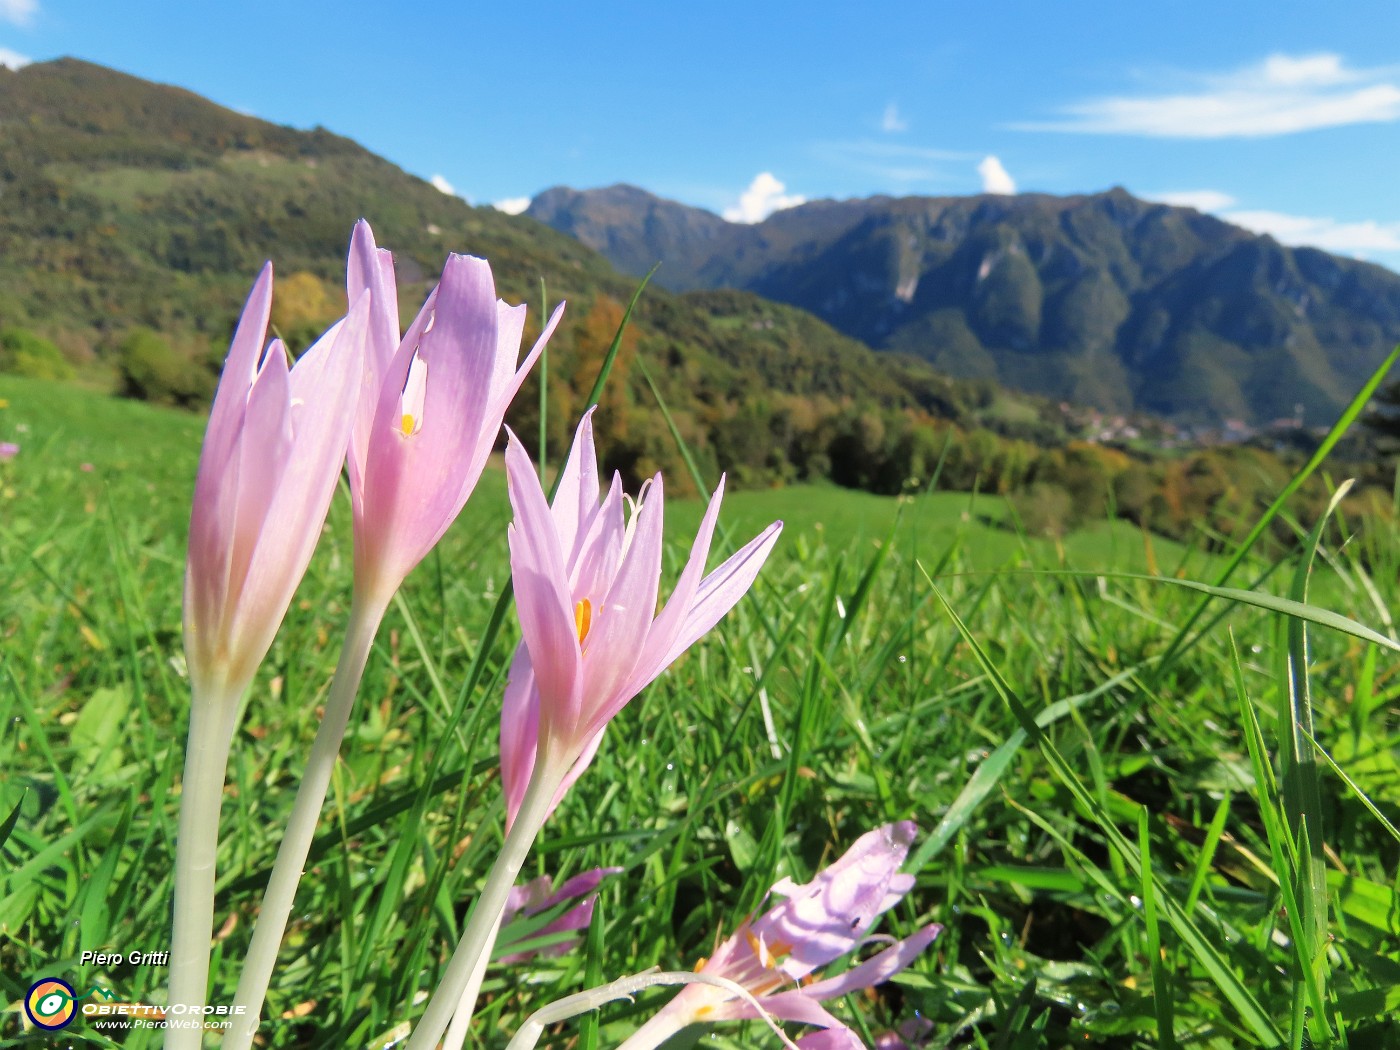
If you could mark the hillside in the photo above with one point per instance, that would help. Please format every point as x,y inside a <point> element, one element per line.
<point>1100,299</point>
<point>131,206</point>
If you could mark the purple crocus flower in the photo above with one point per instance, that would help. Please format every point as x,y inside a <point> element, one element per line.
<point>430,406</point>
<point>775,957</point>
<point>586,584</point>
<point>8,450</point>
<point>272,453</point>
<point>540,895</point>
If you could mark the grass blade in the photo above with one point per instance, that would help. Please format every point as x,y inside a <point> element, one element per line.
<point>1349,415</point>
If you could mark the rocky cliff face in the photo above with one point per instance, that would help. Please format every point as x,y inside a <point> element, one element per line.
<point>1102,299</point>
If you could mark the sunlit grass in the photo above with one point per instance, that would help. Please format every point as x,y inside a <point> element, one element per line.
<point>1108,872</point>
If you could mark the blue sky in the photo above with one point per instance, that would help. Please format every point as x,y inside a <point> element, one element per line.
<point>1283,116</point>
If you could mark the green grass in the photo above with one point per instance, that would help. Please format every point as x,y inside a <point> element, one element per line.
<point>1106,826</point>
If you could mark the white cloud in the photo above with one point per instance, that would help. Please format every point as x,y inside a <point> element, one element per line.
<point>1279,96</point>
<point>995,178</point>
<point>18,12</point>
<point>892,121</point>
<point>764,196</point>
<point>1367,238</point>
<point>1306,69</point>
<point>1201,200</point>
<point>13,59</point>
<point>512,205</point>
<point>442,185</point>
<point>1364,238</point>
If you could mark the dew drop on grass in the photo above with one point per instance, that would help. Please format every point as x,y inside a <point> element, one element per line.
<point>1136,901</point>
<point>903,658</point>
<point>670,766</point>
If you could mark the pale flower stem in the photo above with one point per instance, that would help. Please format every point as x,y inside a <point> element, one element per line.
<point>462,1019</point>
<point>480,935</point>
<point>196,850</point>
<point>278,899</point>
<point>652,1034</point>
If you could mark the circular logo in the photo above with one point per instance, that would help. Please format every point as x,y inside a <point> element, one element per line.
<point>50,1004</point>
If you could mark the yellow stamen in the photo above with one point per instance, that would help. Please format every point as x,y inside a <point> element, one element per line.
<point>407,423</point>
<point>767,955</point>
<point>583,618</point>
<point>701,964</point>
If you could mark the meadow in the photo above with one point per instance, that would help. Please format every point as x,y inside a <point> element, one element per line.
<point>1119,780</point>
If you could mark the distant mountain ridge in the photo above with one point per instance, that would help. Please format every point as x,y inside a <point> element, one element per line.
<point>1102,299</point>
<point>134,216</point>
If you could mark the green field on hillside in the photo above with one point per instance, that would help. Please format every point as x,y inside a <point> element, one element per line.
<point>1109,856</point>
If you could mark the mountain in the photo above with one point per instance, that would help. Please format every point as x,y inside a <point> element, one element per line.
<point>1101,299</point>
<point>134,216</point>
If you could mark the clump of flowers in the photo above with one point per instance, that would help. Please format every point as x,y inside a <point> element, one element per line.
<point>413,418</point>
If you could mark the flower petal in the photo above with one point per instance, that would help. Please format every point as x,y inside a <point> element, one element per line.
<point>717,594</point>
<point>240,370</point>
<point>544,607</point>
<point>794,1005</point>
<point>371,269</point>
<point>598,547</point>
<point>826,917</point>
<point>655,655</point>
<point>878,969</point>
<point>621,620</point>
<point>510,327</point>
<point>506,391</point>
<point>837,1037</point>
<point>576,498</point>
<point>581,884</point>
<point>520,728</point>
<point>417,477</point>
<point>262,457</point>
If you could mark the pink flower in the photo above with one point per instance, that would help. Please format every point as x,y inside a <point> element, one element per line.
<point>775,957</point>
<point>430,406</point>
<point>537,897</point>
<point>8,450</point>
<point>586,586</point>
<point>272,453</point>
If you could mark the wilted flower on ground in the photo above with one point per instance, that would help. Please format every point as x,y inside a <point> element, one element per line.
<point>587,581</point>
<point>430,406</point>
<point>775,957</point>
<point>912,1033</point>
<point>537,897</point>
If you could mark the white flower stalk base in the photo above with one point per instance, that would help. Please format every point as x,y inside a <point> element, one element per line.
<point>212,722</point>
<point>455,999</point>
<point>649,1036</point>
<point>280,895</point>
